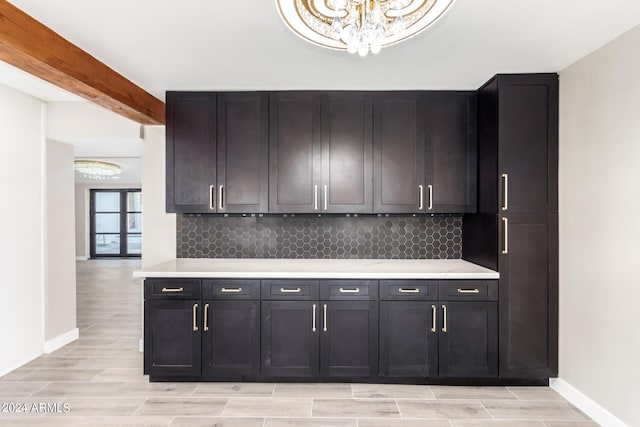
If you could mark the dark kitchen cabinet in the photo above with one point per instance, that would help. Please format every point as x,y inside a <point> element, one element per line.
<point>468,339</point>
<point>172,337</point>
<point>217,152</point>
<point>408,339</point>
<point>399,152</point>
<point>294,152</point>
<point>349,339</point>
<point>242,143</point>
<point>191,152</point>
<point>516,228</point>
<point>347,153</point>
<point>290,338</point>
<point>451,152</point>
<point>231,339</point>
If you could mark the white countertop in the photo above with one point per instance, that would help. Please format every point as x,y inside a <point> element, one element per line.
<point>250,268</point>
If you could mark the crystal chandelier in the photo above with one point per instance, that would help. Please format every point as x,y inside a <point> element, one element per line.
<point>97,170</point>
<point>361,26</point>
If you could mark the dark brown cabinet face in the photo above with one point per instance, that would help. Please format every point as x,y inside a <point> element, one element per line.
<point>231,339</point>
<point>451,152</point>
<point>399,153</point>
<point>349,339</point>
<point>242,166</point>
<point>347,150</point>
<point>468,345</point>
<point>172,337</point>
<point>290,342</point>
<point>408,339</point>
<point>191,152</point>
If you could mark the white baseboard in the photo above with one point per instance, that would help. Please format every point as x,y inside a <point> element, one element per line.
<point>60,341</point>
<point>6,371</point>
<point>82,258</point>
<point>585,404</point>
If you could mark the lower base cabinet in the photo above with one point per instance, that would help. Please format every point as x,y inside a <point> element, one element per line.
<point>234,330</point>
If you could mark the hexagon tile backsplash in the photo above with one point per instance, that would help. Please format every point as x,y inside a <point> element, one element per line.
<point>209,236</point>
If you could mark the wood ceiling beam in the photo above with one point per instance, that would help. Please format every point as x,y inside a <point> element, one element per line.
<point>29,45</point>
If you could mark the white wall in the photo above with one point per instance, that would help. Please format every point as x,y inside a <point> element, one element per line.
<point>599,228</point>
<point>22,239</point>
<point>158,227</point>
<point>60,287</point>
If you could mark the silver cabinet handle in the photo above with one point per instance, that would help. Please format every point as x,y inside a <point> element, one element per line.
<point>433,318</point>
<point>315,197</point>
<point>313,319</point>
<point>206,317</point>
<point>221,197</point>
<point>195,317</point>
<point>325,197</point>
<point>290,291</point>
<point>165,290</point>
<point>212,205</point>
<point>505,236</point>
<point>325,318</point>
<point>231,290</point>
<point>444,319</point>
<point>409,291</point>
<point>430,187</point>
<point>420,197</point>
<point>349,291</point>
<point>468,291</point>
<point>505,191</point>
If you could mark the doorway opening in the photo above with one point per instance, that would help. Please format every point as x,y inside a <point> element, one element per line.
<point>116,223</point>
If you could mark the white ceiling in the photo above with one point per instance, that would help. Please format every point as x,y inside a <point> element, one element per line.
<point>242,44</point>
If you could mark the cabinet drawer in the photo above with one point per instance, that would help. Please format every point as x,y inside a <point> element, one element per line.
<point>465,290</point>
<point>230,289</point>
<point>172,289</point>
<point>290,289</point>
<point>417,290</point>
<point>348,289</point>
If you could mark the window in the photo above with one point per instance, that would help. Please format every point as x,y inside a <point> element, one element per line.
<point>116,223</point>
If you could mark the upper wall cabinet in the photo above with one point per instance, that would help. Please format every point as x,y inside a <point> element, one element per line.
<point>217,152</point>
<point>191,152</point>
<point>451,145</point>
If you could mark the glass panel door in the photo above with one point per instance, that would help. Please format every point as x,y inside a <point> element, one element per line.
<point>116,223</point>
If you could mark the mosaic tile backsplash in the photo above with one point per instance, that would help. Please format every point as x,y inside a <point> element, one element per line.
<point>364,237</point>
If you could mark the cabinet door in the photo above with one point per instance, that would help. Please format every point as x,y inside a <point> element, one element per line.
<point>468,342</point>
<point>451,141</point>
<point>398,153</point>
<point>528,144</point>
<point>172,337</point>
<point>347,150</point>
<point>294,152</point>
<point>243,140</point>
<point>528,296</point>
<point>408,339</point>
<point>231,339</point>
<point>349,339</point>
<point>290,342</point>
<point>191,152</point>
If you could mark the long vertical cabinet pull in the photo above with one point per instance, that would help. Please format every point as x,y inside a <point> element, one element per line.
<point>505,236</point>
<point>195,317</point>
<point>420,197</point>
<point>313,319</point>
<point>434,311</point>
<point>325,318</point>
<point>325,198</point>
<point>206,318</point>
<point>315,197</point>
<point>444,318</point>
<point>430,205</point>
<point>505,191</point>
<point>212,190</point>
<point>221,197</point>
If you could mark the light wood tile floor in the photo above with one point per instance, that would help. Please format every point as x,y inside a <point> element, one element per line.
<point>100,378</point>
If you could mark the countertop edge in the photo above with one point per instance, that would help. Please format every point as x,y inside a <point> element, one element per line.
<point>311,275</point>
